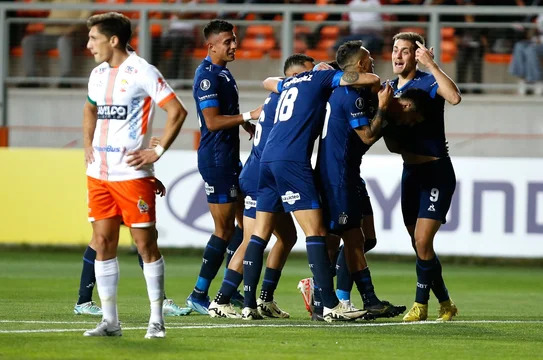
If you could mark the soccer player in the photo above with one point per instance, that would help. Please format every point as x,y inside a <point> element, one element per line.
<point>352,124</point>
<point>85,305</point>
<point>284,230</point>
<point>117,122</point>
<point>216,95</point>
<point>428,179</point>
<point>286,179</point>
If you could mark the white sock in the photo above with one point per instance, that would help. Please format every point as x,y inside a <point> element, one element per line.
<point>107,279</point>
<point>538,89</point>
<point>154,276</point>
<point>522,87</point>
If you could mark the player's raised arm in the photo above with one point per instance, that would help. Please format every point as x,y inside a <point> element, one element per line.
<point>271,83</point>
<point>447,88</point>
<point>90,116</point>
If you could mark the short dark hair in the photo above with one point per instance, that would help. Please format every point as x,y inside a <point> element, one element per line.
<point>347,51</point>
<point>112,24</point>
<point>410,36</point>
<point>296,59</point>
<point>216,27</point>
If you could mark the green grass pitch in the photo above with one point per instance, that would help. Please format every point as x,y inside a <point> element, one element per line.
<point>501,316</point>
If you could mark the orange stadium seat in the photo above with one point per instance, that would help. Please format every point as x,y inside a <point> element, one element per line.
<point>498,58</point>
<point>328,37</point>
<point>31,13</point>
<point>317,16</point>
<point>258,37</point>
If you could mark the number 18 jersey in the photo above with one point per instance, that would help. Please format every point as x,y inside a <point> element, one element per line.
<point>299,115</point>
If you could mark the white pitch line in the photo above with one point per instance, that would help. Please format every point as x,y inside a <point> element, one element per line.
<point>46,322</point>
<point>231,326</point>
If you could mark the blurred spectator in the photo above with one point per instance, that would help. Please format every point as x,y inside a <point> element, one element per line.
<point>65,37</point>
<point>364,25</point>
<point>471,43</point>
<point>527,59</point>
<point>501,40</point>
<point>180,39</point>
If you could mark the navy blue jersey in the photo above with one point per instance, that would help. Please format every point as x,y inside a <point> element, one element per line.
<point>299,115</point>
<point>340,148</point>
<point>214,86</point>
<point>264,125</point>
<point>428,136</point>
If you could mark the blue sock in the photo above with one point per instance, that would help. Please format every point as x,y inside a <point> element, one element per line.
<point>211,262</point>
<point>233,244</point>
<point>369,244</point>
<point>344,279</point>
<point>230,284</point>
<point>364,284</point>
<point>88,279</point>
<point>317,298</point>
<point>269,284</point>
<point>425,271</point>
<point>438,285</point>
<point>252,267</point>
<point>319,263</point>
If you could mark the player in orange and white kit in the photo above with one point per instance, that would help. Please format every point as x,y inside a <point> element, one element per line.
<point>117,126</point>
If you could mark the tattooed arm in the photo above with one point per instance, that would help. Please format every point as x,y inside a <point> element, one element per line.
<point>364,79</point>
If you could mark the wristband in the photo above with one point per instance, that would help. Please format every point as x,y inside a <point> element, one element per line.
<point>159,150</point>
<point>246,116</point>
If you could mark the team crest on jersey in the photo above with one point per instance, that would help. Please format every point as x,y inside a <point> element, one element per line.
<point>359,103</point>
<point>124,84</point>
<point>209,189</point>
<point>129,69</point>
<point>142,206</point>
<point>205,84</point>
<point>249,202</point>
<point>233,191</point>
<point>343,218</point>
<point>290,197</point>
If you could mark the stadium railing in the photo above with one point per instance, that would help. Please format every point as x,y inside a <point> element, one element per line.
<point>272,40</point>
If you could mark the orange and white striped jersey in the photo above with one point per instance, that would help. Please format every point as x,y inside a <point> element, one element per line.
<point>125,98</point>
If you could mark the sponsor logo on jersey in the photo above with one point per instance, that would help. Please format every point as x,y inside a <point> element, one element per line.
<point>207,97</point>
<point>343,218</point>
<point>142,206</point>
<point>290,197</point>
<point>108,148</point>
<point>112,112</point>
<point>359,103</point>
<point>129,69</point>
<point>249,202</point>
<point>431,208</point>
<point>209,189</point>
<point>161,84</point>
<point>205,84</point>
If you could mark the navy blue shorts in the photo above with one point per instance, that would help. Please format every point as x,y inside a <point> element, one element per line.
<point>344,206</point>
<point>221,184</point>
<point>286,186</point>
<point>427,190</point>
<point>248,184</point>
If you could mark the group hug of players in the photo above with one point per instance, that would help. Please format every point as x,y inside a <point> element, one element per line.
<point>349,108</point>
